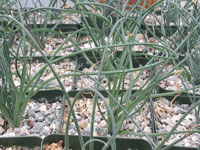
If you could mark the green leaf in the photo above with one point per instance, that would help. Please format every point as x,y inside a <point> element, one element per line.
<point>6,113</point>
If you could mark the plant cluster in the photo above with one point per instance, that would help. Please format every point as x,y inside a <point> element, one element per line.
<point>170,30</point>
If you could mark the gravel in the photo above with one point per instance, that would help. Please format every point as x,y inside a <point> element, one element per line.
<point>42,119</point>
<point>54,146</point>
<point>83,81</point>
<point>166,117</point>
<point>60,68</point>
<point>52,43</point>
<point>18,148</point>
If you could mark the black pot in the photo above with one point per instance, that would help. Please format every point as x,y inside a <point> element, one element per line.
<point>28,141</point>
<point>50,95</point>
<point>65,28</point>
<point>61,27</point>
<point>95,58</point>
<point>183,148</point>
<point>41,59</point>
<point>181,99</point>
<point>122,143</point>
<point>150,29</point>
<point>156,30</point>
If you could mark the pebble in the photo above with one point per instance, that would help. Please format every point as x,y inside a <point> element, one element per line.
<point>168,121</point>
<point>37,53</point>
<point>176,117</point>
<point>47,112</point>
<point>87,130</point>
<point>71,127</point>
<point>83,124</point>
<point>49,119</point>
<point>187,144</point>
<point>79,118</point>
<point>43,108</point>
<point>36,109</point>
<point>103,124</point>
<point>1,130</point>
<point>37,127</point>
<point>131,126</point>
<point>147,129</point>
<point>18,130</point>
<point>143,124</point>
<point>31,113</point>
<point>52,127</point>
<point>195,138</point>
<point>24,132</point>
<point>45,131</point>
<point>186,123</point>
<point>98,118</point>
<point>39,117</point>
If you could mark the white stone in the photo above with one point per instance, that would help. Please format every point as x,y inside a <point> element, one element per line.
<point>187,144</point>
<point>37,54</point>
<point>147,129</point>
<point>103,124</point>
<point>52,126</point>
<point>43,108</point>
<point>186,123</point>
<point>176,117</point>
<point>195,138</point>
<point>168,121</point>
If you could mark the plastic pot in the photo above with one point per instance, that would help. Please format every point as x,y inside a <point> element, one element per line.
<point>65,28</point>
<point>89,95</point>
<point>50,95</point>
<point>183,148</point>
<point>41,59</point>
<point>150,29</point>
<point>27,141</point>
<point>60,27</point>
<point>82,62</point>
<point>156,30</point>
<point>122,143</point>
<point>181,99</point>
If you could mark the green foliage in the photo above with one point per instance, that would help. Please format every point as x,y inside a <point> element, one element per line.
<point>109,30</point>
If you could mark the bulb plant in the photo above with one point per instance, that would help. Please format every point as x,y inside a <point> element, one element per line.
<point>115,69</point>
<point>14,97</point>
<point>113,36</point>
